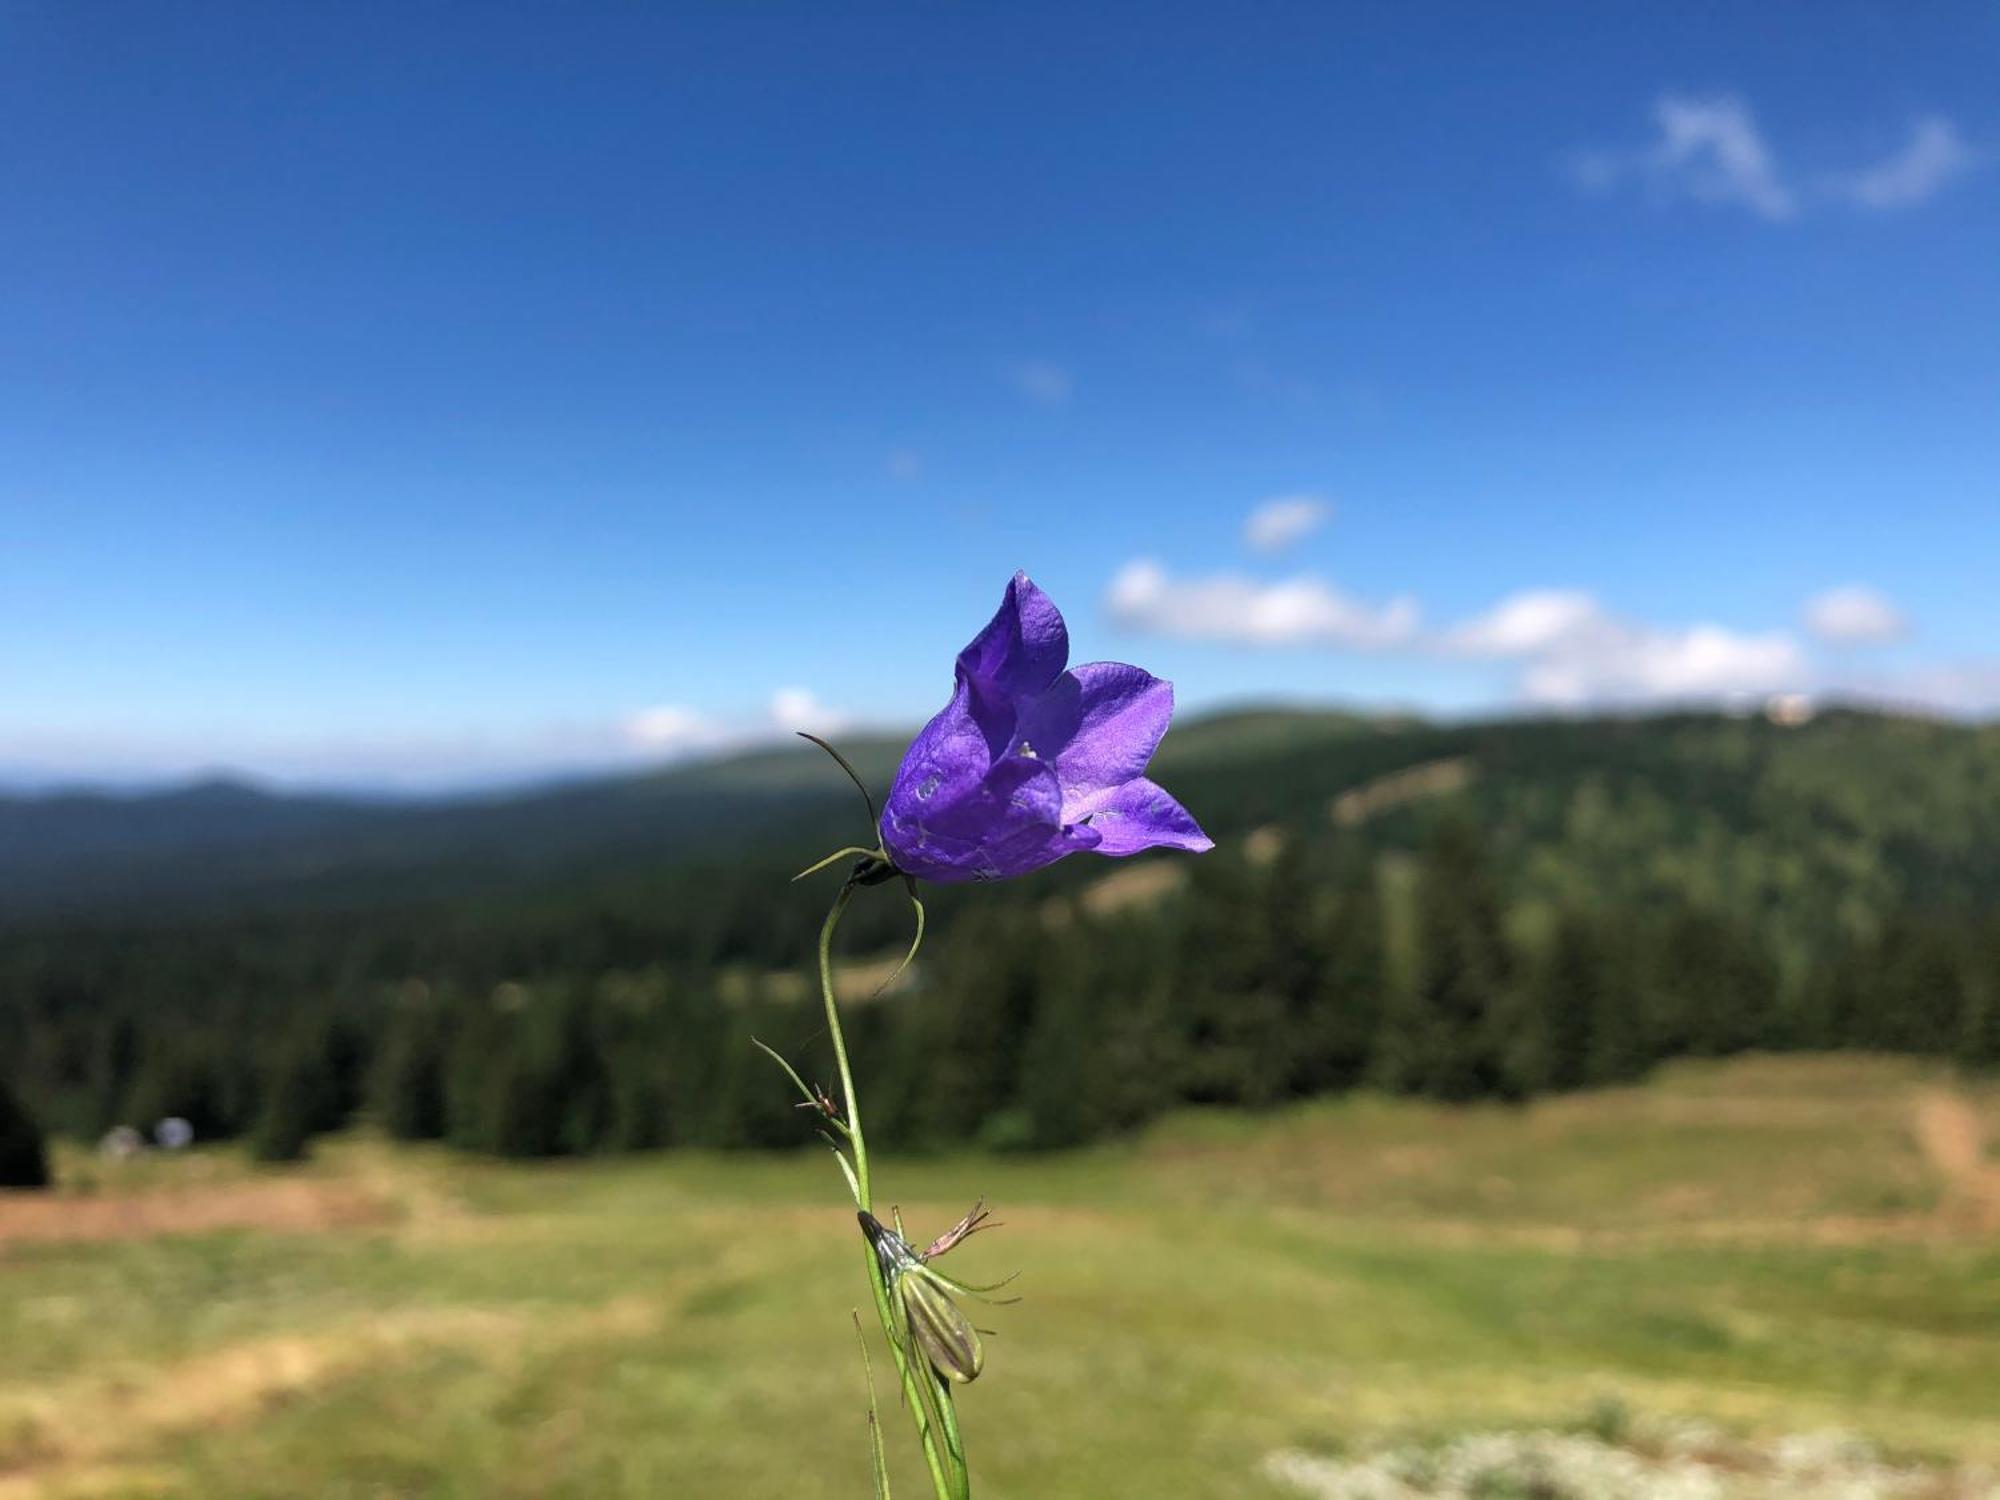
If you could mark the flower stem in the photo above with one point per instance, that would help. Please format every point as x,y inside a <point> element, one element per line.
<point>948,1477</point>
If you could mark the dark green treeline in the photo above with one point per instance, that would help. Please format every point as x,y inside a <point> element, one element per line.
<point>1043,1014</point>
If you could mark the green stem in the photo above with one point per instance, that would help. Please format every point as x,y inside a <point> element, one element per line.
<point>941,1480</point>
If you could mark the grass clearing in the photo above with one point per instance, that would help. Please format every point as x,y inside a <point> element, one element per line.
<point>1773,1245</point>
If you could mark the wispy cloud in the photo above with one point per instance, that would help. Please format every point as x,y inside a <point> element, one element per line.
<point>1935,155</point>
<point>1231,607</point>
<point>1284,520</point>
<point>1711,150</point>
<point>1043,382</point>
<point>905,464</point>
<point>1854,615</point>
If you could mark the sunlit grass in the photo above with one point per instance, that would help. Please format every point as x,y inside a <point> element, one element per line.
<point>1762,1243</point>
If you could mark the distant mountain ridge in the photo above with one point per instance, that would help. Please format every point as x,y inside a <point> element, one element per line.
<point>226,840</point>
<point>86,851</point>
<point>1931,790</point>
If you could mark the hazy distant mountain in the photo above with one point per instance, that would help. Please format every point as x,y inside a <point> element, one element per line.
<point>86,850</point>
<point>1928,793</point>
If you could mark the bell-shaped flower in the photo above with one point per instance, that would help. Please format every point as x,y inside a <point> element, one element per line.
<point>1030,762</point>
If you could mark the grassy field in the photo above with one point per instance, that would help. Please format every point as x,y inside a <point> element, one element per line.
<point>1776,1246</point>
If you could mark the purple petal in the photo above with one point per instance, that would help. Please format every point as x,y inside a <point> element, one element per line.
<point>944,764</point>
<point>1030,848</point>
<point>943,823</point>
<point>1099,725</point>
<point>1023,649</point>
<point>1140,815</point>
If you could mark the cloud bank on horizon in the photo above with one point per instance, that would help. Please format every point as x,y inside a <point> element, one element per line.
<point>1567,649</point>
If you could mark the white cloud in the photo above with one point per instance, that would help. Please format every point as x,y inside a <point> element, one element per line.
<point>1936,153</point>
<point>668,726</point>
<point>1041,381</point>
<point>794,708</point>
<point>905,464</point>
<point>1524,623</point>
<point>1631,663</point>
<point>1230,607</point>
<point>1574,653</point>
<point>1855,615</point>
<point>1709,150</point>
<point>1281,522</point>
<point>1570,650</point>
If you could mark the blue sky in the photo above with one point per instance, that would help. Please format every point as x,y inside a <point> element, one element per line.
<point>422,394</point>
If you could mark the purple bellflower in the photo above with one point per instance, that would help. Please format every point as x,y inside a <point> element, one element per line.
<point>1030,762</point>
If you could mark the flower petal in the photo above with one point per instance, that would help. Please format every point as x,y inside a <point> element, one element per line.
<point>941,824</point>
<point>1099,724</point>
<point>945,762</point>
<point>1023,649</point>
<point>1023,855</point>
<point>1141,815</point>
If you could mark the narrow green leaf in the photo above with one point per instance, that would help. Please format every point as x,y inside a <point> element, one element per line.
<point>839,854</point>
<point>877,1456</point>
<point>915,942</point>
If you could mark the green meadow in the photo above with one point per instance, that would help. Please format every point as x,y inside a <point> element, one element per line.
<point>1772,1245</point>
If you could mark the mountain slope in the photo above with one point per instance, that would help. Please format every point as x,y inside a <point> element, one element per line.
<point>1852,800</point>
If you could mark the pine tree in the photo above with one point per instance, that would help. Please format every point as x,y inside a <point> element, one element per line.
<point>1979,1029</point>
<point>633,1048</point>
<point>1229,1010</point>
<point>1339,1015</point>
<point>1059,1100</point>
<point>24,1157</point>
<point>1141,1053</point>
<point>1718,986</point>
<point>971,1019</point>
<point>480,1043</point>
<point>409,1078</point>
<point>1464,968</point>
<point>1571,981</point>
<point>1920,988</point>
<point>1618,1044</point>
<point>284,1126</point>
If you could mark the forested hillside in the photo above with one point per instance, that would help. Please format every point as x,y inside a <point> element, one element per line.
<point>1492,909</point>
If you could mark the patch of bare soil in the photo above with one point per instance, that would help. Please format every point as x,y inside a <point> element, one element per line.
<point>287,1205</point>
<point>1134,886</point>
<point>83,1437</point>
<point>1953,1138</point>
<point>1433,778</point>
